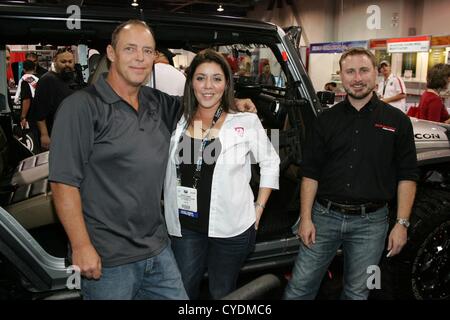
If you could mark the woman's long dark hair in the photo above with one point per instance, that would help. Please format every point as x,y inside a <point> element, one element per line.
<point>190,102</point>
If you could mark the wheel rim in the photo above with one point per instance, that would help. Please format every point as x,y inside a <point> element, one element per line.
<point>431,268</point>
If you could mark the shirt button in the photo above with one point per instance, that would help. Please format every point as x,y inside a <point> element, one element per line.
<point>351,166</point>
<point>354,149</point>
<point>356,131</point>
<point>348,185</point>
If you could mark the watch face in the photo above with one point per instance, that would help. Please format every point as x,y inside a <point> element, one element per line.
<point>403,222</point>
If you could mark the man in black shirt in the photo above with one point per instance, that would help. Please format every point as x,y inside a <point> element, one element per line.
<point>26,90</point>
<point>51,90</point>
<point>359,155</point>
<point>40,71</point>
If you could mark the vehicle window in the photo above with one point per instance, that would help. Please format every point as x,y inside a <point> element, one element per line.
<point>254,64</point>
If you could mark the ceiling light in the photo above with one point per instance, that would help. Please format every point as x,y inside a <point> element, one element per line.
<point>220,8</point>
<point>135,3</point>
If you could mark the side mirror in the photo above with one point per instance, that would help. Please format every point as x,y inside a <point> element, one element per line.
<point>326,97</point>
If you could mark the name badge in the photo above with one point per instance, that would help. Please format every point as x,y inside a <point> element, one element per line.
<point>187,201</point>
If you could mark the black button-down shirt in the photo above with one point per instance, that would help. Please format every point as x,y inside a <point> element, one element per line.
<point>359,156</point>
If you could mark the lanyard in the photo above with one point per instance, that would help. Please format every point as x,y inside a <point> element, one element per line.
<point>199,162</point>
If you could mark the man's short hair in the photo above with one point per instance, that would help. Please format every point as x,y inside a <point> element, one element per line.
<point>357,52</point>
<point>167,53</point>
<point>116,32</point>
<point>437,76</point>
<point>62,50</point>
<point>31,54</point>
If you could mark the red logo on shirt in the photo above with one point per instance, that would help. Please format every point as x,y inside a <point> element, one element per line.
<point>239,131</point>
<point>385,127</point>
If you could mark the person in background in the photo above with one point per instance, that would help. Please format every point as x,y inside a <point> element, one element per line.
<point>358,155</point>
<point>266,77</point>
<point>209,205</point>
<point>51,90</point>
<point>165,76</point>
<point>8,82</point>
<point>431,106</point>
<point>6,103</point>
<point>25,94</point>
<point>330,86</point>
<point>391,89</point>
<point>32,56</point>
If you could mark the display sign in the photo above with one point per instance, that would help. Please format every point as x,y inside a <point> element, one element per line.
<point>440,41</point>
<point>336,47</point>
<point>378,44</point>
<point>412,44</point>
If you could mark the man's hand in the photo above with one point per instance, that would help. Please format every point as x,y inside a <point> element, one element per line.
<point>397,239</point>
<point>307,232</point>
<point>89,262</point>
<point>45,142</point>
<point>23,123</point>
<point>245,105</point>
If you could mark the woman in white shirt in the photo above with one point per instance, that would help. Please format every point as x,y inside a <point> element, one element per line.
<point>209,205</point>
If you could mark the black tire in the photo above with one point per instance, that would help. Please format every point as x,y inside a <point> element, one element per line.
<point>422,269</point>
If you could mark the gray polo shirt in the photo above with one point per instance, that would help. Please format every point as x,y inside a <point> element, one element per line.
<point>117,157</point>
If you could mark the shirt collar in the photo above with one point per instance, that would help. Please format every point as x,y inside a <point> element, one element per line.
<point>370,106</point>
<point>105,91</point>
<point>391,75</point>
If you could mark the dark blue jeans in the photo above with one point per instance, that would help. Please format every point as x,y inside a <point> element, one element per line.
<point>155,278</point>
<point>221,257</point>
<point>362,238</point>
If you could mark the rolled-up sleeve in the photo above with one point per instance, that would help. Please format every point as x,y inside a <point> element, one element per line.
<point>72,140</point>
<point>265,155</point>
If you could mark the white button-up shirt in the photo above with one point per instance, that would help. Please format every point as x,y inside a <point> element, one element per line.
<point>231,209</point>
<point>393,86</point>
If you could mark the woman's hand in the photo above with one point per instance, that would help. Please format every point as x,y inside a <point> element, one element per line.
<point>245,105</point>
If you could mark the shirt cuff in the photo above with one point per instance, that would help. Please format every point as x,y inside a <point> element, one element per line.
<point>269,181</point>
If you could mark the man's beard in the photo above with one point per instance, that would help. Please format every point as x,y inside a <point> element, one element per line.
<point>67,74</point>
<point>360,95</point>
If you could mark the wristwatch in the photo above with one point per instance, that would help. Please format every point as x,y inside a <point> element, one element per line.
<point>258,204</point>
<point>403,222</point>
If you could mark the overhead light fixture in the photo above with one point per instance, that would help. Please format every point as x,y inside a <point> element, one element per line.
<point>135,3</point>
<point>220,8</point>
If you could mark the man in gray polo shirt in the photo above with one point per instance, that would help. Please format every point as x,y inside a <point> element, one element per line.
<point>107,164</point>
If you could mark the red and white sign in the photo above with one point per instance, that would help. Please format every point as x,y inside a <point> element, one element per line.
<point>411,44</point>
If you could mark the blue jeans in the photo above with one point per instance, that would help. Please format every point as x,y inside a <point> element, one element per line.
<point>221,257</point>
<point>362,238</point>
<point>156,278</point>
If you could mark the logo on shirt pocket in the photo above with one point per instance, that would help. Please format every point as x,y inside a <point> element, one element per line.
<point>385,127</point>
